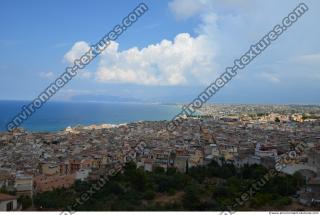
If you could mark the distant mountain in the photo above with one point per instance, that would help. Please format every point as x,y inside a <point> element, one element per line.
<point>102,98</point>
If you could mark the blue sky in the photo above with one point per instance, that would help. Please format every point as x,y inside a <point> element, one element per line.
<point>185,45</point>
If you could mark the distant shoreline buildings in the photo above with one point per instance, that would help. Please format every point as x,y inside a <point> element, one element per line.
<point>239,135</point>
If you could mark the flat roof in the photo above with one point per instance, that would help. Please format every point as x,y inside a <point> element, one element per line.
<point>6,197</point>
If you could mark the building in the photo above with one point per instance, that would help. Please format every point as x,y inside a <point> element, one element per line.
<point>23,184</point>
<point>196,158</point>
<point>48,183</point>
<point>82,174</point>
<point>181,163</point>
<point>161,158</point>
<point>4,178</point>
<point>314,158</point>
<point>265,151</point>
<point>148,165</point>
<point>8,202</point>
<point>50,169</point>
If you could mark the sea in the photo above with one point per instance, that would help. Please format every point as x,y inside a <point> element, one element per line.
<point>56,116</point>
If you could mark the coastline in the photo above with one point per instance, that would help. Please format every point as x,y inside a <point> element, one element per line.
<point>56,116</point>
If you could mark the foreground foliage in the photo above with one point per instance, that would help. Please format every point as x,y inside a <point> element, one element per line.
<point>210,187</point>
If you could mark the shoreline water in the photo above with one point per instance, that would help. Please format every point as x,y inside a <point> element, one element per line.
<point>56,116</point>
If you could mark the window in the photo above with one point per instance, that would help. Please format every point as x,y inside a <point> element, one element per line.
<point>10,206</point>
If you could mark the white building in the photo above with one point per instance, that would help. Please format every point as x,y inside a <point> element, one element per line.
<point>82,174</point>
<point>8,202</point>
<point>23,184</point>
<point>265,151</point>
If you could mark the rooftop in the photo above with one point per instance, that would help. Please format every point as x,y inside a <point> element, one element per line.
<point>6,197</point>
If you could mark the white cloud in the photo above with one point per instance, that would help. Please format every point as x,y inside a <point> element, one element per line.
<point>184,60</point>
<point>306,66</point>
<point>226,29</point>
<point>77,50</point>
<point>46,75</point>
<point>308,59</point>
<point>84,74</point>
<point>184,9</point>
<point>270,77</point>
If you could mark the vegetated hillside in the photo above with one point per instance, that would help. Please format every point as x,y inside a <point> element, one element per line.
<point>203,188</point>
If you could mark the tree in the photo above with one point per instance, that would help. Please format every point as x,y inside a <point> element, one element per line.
<point>25,201</point>
<point>139,180</point>
<point>171,171</point>
<point>191,198</point>
<point>220,191</point>
<point>149,195</point>
<point>3,189</point>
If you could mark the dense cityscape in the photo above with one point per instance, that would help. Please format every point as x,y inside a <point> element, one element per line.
<point>280,137</point>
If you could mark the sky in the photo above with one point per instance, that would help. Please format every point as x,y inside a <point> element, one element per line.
<point>169,55</point>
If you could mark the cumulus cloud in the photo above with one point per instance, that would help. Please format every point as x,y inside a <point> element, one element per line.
<point>224,32</point>
<point>184,60</point>
<point>77,50</point>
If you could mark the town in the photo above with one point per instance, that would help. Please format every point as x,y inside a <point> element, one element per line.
<point>286,138</point>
